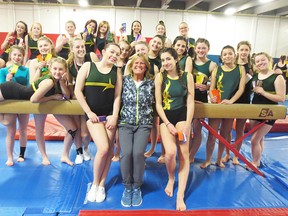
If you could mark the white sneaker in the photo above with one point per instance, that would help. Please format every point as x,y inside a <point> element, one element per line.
<point>100,194</point>
<point>86,155</point>
<point>79,159</point>
<point>91,196</point>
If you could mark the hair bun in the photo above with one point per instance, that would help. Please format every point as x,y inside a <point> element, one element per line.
<point>161,22</point>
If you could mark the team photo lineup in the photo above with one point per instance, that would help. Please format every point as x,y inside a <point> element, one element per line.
<point>133,90</point>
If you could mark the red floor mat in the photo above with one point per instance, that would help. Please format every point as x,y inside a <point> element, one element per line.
<point>210,212</point>
<point>53,130</point>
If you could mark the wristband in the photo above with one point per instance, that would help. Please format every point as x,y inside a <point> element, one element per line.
<point>168,124</point>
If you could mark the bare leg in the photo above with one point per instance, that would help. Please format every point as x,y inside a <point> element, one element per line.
<point>257,142</point>
<point>184,166</point>
<point>117,147</point>
<point>72,134</point>
<point>102,160</point>
<point>85,135</point>
<point>9,121</point>
<point>225,132</point>
<point>169,143</point>
<point>161,159</point>
<point>196,140</point>
<point>40,125</point>
<point>23,120</point>
<point>111,138</point>
<point>240,127</point>
<point>210,145</point>
<point>154,137</point>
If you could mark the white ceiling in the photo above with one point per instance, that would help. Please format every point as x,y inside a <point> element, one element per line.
<point>255,7</point>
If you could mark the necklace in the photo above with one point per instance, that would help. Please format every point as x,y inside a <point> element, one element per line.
<point>76,65</point>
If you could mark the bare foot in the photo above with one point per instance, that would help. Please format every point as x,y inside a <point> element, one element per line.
<point>205,164</point>
<point>254,164</point>
<point>20,159</point>
<point>235,161</point>
<point>9,162</point>
<point>220,164</point>
<point>149,153</point>
<point>226,158</point>
<point>161,159</point>
<point>169,187</point>
<point>116,158</point>
<point>66,160</point>
<point>180,204</point>
<point>46,162</point>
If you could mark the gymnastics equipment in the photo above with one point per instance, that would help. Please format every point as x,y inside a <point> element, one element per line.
<point>202,110</point>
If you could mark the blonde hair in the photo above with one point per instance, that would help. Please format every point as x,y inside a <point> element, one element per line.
<point>59,60</point>
<point>16,47</point>
<point>36,23</point>
<point>262,53</point>
<point>45,38</point>
<point>72,22</point>
<point>71,53</point>
<point>144,58</point>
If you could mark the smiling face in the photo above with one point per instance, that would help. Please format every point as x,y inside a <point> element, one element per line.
<point>168,61</point>
<point>36,29</point>
<point>20,29</point>
<point>183,29</point>
<point>91,26</point>
<point>136,28</point>
<point>111,54</point>
<point>103,29</point>
<point>57,70</point>
<point>262,62</point>
<point>201,50</point>
<point>160,30</point>
<point>141,48</point>
<point>156,44</point>
<point>244,52</point>
<point>125,50</point>
<point>228,56</point>
<point>16,56</point>
<point>70,28</point>
<point>78,48</point>
<point>139,67</point>
<point>44,46</point>
<point>180,47</point>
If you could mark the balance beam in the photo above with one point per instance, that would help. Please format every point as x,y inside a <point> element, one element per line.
<point>202,110</point>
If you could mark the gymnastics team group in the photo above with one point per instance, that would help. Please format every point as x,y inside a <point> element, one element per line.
<point>130,92</point>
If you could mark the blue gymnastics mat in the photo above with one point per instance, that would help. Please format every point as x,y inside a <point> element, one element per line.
<point>30,188</point>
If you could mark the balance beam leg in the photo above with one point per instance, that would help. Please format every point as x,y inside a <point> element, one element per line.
<point>222,140</point>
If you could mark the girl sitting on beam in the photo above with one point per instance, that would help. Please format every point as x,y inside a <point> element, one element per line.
<point>52,86</point>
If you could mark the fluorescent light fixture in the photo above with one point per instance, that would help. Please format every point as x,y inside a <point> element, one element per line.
<point>230,11</point>
<point>83,3</point>
<point>265,1</point>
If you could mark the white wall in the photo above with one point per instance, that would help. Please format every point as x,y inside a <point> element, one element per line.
<point>267,34</point>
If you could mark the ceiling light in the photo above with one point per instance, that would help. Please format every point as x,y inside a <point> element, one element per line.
<point>230,11</point>
<point>265,1</point>
<point>83,3</point>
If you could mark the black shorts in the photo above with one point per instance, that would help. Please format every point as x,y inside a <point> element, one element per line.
<point>100,112</point>
<point>268,122</point>
<point>16,91</point>
<point>175,116</point>
<point>4,56</point>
